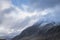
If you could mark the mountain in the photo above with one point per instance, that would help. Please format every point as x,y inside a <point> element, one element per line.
<point>2,39</point>
<point>27,32</point>
<point>50,31</point>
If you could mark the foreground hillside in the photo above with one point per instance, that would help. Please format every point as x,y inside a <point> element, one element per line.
<point>50,31</point>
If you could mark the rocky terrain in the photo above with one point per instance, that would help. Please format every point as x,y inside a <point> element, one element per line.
<point>49,31</point>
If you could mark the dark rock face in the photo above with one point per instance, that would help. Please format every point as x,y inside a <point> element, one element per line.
<point>2,39</point>
<point>49,31</point>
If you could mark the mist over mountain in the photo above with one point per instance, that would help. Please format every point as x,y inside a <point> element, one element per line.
<point>30,19</point>
<point>49,31</point>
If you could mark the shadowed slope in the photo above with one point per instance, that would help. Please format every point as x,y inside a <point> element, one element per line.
<point>49,31</point>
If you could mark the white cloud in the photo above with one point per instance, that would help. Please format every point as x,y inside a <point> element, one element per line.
<point>17,16</point>
<point>4,4</point>
<point>12,18</point>
<point>5,30</point>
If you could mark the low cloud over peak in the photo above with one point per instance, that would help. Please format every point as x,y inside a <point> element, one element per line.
<point>14,19</point>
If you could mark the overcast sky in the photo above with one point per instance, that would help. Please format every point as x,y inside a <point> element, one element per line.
<point>17,15</point>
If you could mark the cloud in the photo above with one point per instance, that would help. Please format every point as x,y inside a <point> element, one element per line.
<point>37,4</point>
<point>6,5</point>
<point>14,19</point>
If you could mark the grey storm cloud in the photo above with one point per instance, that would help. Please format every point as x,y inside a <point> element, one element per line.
<point>36,4</point>
<point>45,3</point>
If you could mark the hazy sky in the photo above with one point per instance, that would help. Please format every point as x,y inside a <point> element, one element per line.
<point>17,15</point>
